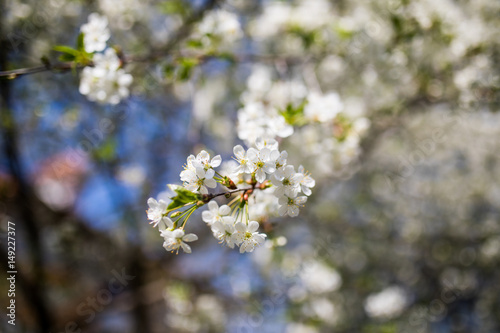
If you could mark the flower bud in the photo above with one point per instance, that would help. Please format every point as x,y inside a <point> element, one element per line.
<point>177,213</point>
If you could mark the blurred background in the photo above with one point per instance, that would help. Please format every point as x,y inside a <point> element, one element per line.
<point>400,234</point>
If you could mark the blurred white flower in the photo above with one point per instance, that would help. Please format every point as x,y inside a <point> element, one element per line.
<point>221,24</point>
<point>323,108</point>
<point>105,82</point>
<point>96,33</point>
<point>156,210</point>
<point>389,303</point>
<point>258,120</point>
<point>319,278</point>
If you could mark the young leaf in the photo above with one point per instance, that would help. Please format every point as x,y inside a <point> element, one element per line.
<point>79,42</point>
<point>182,198</point>
<point>66,49</point>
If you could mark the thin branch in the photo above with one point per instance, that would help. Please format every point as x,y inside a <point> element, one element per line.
<point>155,54</point>
<point>59,67</point>
<point>211,196</point>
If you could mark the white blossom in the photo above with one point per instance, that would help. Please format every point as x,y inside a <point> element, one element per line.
<point>96,33</point>
<point>105,82</point>
<point>197,179</point>
<point>247,236</point>
<point>389,303</point>
<point>216,213</point>
<point>257,120</point>
<point>287,182</point>
<point>177,238</point>
<point>245,164</point>
<point>307,181</point>
<point>291,206</point>
<point>224,231</point>
<point>262,162</point>
<point>204,158</point>
<point>156,210</point>
<point>323,108</point>
<point>221,24</point>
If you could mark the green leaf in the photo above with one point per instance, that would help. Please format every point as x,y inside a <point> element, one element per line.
<point>195,43</point>
<point>67,57</point>
<point>66,49</point>
<point>186,68</point>
<point>294,115</point>
<point>107,151</point>
<point>182,198</point>
<point>169,70</point>
<point>175,7</point>
<point>186,195</point>
<point>79,42</point>
<point>175,204</point>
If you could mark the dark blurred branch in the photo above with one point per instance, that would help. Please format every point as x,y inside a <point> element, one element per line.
<point>22,199</point>
<point>59,67</point>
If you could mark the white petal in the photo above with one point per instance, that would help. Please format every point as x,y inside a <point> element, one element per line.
<point>186,247</point>
<point>168,222</point>
<point>260,175</point>
<point>216,161</point>
<point>274,155</point>
<point>293,210</point>
<point>282,210</point>
<point>276,181</point>
<point>279,175</point>
<point>260,238</point>
<point>289,171</point>
<point>210,173</point>
<point>218,227</point>
<point>253,154</point>
<point>224,210</point>
<point>279,191</point>
<point>259,143</point>
<point>253,226</point>
<point>238,151</point>
<point>203,156</point>
<point>300,200</point>
<point>213,206</point>
<point>306,190</point>
<point>229,220</point>
<point>269,167</point>
<point>152,203</point>
<point>265,154</point>
<point>210,183</point>
<point>207,216</point>
<point>200,172</point>
<point>178,233</point>
<point>190,238</point>
<point>239,226</point>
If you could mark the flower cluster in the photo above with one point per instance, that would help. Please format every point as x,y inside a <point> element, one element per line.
<point>220,26</point>
<point>330,128</point>
<point>260,181</point>
<point>104,82</point>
